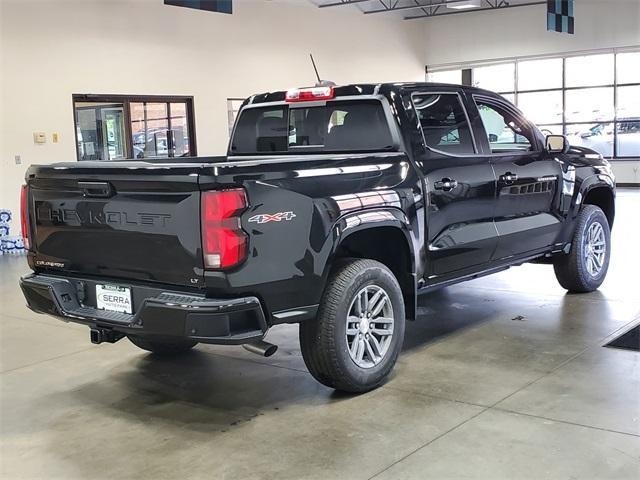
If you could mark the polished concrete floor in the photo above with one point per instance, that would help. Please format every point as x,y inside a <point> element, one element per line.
<point>504,377</point>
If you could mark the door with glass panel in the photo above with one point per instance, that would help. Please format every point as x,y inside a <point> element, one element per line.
<point>527,215</point>
<point>113,133</point>
<point>100,131</point>
<point>460,187</point>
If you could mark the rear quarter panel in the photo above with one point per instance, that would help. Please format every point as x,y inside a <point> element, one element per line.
<point>294,218</point>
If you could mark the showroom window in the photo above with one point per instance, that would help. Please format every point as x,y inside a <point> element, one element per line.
<point>593,98</point>
<point>497,78</point>
<point>116,127</point>
<point>445,76</point>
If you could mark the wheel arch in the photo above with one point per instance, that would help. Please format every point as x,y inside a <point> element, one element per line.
<point>601,195</point>
<point>383,235</point>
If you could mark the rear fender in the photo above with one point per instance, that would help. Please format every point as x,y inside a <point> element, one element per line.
<point>373,221</point>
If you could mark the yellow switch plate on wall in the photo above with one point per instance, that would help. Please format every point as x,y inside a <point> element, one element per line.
<point>55,137</point>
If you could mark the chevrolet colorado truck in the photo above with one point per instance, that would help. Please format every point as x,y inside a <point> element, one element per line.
<point>335,207</point>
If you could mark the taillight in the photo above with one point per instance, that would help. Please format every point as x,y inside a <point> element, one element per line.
<point>309,94</point>
<point>224,243</point>
<point>24,216</point>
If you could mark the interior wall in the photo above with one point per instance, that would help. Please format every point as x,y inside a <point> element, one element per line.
<point>53,49</point>
<point>515,32</point>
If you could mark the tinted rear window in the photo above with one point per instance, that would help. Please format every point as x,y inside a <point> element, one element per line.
<point>335,127</point>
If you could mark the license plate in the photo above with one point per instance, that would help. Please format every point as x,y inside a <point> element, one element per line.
<point>113,298</point>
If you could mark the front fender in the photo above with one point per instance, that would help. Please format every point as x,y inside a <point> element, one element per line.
<point>586,185</point>
<point>589,183</point>
<point>594,181</point>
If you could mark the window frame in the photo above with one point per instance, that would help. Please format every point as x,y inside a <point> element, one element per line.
<point>463,105</point>
<point>126,101</point>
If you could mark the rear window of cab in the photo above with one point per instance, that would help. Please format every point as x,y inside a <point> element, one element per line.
<point>337,126</point>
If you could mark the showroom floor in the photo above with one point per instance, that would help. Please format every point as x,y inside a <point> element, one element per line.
<point>502,377</point>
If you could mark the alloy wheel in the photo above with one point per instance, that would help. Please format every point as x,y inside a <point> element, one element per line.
<point>595,249</point>
<point>369,326</point>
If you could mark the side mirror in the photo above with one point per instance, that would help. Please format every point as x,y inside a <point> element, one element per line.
<point>493,138</point>
<point>557,144</point>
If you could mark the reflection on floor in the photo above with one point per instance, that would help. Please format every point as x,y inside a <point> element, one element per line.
<point>502,377</point>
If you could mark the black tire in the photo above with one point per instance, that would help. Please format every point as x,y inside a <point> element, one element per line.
<point>323,341</point>
<point>572,270</point>
<point>163,347</point>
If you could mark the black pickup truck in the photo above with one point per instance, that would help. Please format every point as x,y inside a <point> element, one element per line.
<point>334,208</point>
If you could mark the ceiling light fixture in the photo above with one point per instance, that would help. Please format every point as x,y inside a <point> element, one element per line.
<point>465,5</point>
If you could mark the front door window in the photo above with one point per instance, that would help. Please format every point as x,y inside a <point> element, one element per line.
<point>505,131</point>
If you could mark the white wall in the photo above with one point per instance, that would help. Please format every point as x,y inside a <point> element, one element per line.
<point>52,49</point>
<point>523,31</point>
<point>473,37</point>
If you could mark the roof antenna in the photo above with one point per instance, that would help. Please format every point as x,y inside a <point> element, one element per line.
<point>320,83</point>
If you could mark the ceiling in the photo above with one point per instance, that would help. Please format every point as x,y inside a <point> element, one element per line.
<point>414,9</point>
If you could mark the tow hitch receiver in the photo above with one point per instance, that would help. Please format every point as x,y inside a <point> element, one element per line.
<point>103,335</point>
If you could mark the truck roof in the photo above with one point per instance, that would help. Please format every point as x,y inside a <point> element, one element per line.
<point>369,89</point>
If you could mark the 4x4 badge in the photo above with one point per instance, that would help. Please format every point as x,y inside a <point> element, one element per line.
<point>272,217</point>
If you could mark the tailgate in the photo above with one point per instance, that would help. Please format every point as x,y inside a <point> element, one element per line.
<point>118,220</point>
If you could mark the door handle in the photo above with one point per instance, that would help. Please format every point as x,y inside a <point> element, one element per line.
<point>508,178</point>
<point>445,184</point>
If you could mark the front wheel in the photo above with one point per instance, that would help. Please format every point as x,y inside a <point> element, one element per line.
<point>357,336</point>
<point>585,267</point>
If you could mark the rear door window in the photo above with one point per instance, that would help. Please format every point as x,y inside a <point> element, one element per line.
<point>335,127</point>
<point>444,123</point>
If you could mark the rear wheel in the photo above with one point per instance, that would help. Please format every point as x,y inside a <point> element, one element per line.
<point>163,347</point>
<point>585,267</point>
<point>355,340</point>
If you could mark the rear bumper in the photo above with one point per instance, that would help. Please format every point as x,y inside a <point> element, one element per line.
<point>161,314</point>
